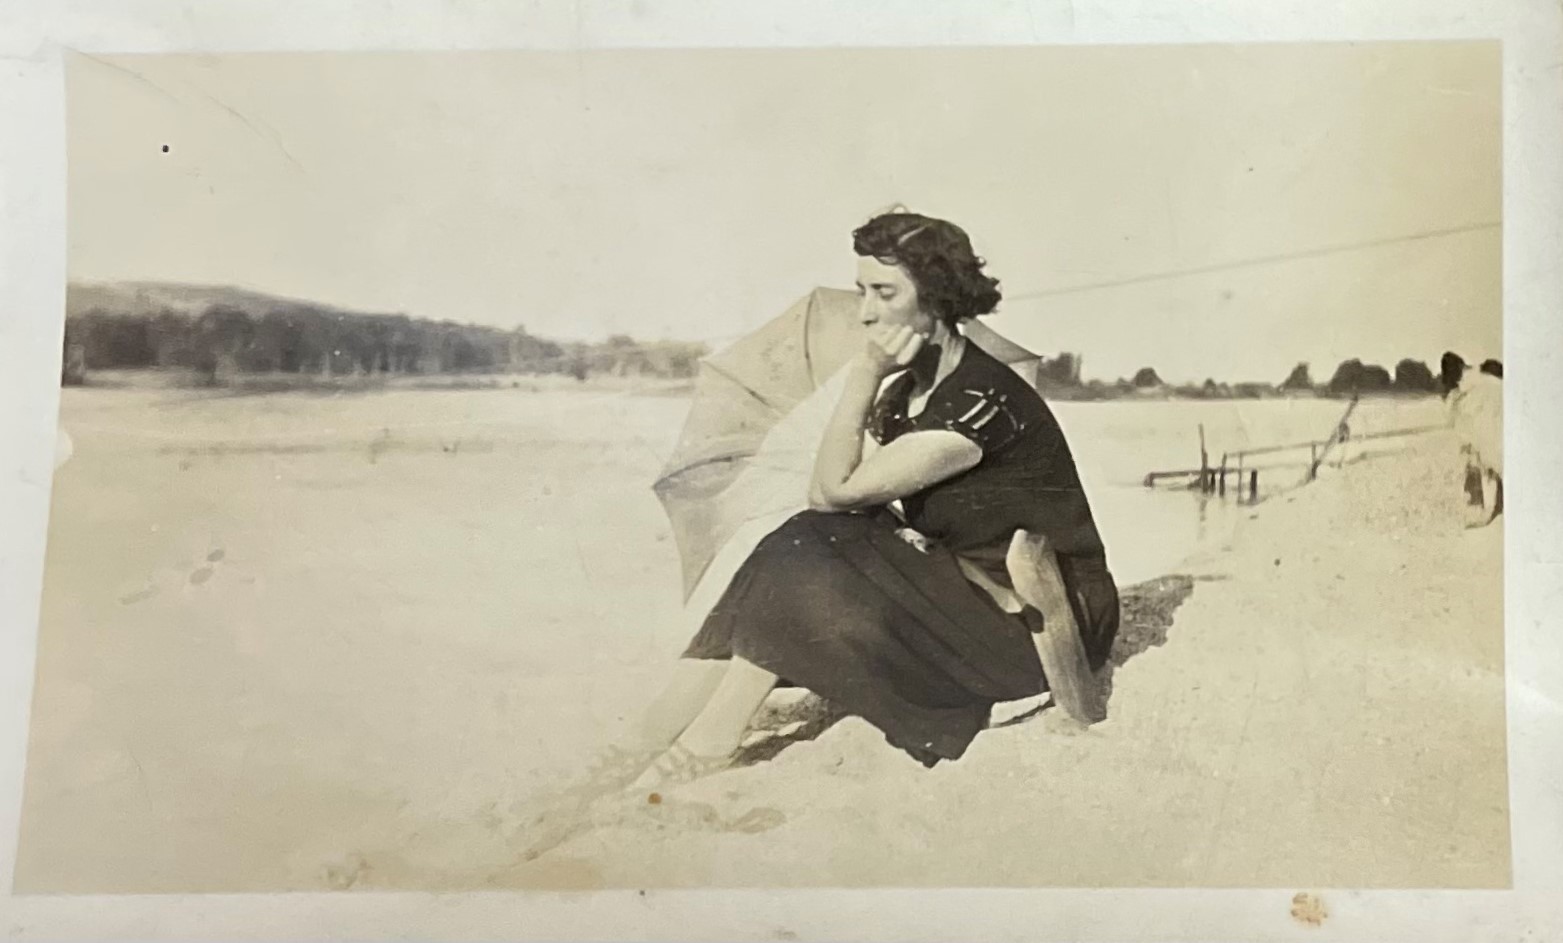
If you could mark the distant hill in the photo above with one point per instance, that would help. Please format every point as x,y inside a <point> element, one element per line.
<point>221,333</point>
<point>152,298</point>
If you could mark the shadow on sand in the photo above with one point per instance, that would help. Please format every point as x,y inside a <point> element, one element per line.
<point>1147,613</point>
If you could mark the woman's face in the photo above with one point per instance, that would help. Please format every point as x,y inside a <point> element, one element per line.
<point>889,297</point>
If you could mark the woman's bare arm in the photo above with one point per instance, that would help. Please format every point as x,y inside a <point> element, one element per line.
<point>906,466</point>
<point>844,482</point>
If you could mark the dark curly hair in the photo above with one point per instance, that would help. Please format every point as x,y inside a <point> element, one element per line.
<point>1451,369</point>
<point>938,257</point>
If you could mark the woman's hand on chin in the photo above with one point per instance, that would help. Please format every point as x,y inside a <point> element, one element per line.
<point>890,349</point>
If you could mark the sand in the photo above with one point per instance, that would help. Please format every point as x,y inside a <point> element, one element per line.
<point>348,657</point>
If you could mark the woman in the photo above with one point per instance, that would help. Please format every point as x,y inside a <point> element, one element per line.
<point>1475,403</point>
<point>901,620</point>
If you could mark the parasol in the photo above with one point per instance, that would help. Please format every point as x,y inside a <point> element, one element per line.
<point>760,406</point>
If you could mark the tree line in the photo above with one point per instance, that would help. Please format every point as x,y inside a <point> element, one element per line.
<point>227,339</point>
<point>1410,377</point>
<point>1060,378</point>
<point>298,338</point>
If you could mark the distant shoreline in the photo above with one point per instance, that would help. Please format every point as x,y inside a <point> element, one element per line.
<point>187,381</point>
<point>1194,394</point>
<point>168,378</point>
<point>241,340</point>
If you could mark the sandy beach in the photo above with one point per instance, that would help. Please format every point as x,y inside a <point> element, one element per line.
<point>286,647</point>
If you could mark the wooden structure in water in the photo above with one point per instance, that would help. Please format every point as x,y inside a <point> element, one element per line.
<point>1212,479</point>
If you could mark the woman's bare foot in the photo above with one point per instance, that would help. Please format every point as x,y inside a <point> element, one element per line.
<point>679,765</point>
<point>617,767</point>
<point>542,822</point>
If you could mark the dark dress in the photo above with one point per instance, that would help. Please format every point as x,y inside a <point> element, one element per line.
<point>839,603</point>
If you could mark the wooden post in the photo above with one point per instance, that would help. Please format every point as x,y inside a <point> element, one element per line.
<point>1253,485</point>
<point>1204,462</point>
<point>1313,460</point>
<point>1335,437</point>
<point>1343,428</point>
<point>1223,486</point>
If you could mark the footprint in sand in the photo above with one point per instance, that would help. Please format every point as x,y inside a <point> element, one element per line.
<point>138,595</point>
<point>208,569</point>
<point>200,575</point>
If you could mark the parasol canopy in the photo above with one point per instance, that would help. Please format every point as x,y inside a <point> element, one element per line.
<point>759,408</point>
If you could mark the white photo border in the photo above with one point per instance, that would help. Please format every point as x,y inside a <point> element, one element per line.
<point>35,37</point>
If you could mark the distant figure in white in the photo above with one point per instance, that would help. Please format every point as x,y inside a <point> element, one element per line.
<point>1475,404</point>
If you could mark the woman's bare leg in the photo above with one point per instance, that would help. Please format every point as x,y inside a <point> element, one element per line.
<point>682,699</point>
<point>719,728</point>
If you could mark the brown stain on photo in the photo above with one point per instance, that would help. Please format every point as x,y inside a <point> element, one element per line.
<point>1308,909</point>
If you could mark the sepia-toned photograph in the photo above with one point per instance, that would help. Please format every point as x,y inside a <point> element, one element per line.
<point>1024,467</point>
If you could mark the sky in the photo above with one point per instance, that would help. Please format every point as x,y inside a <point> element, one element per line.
<point>1209,211</point>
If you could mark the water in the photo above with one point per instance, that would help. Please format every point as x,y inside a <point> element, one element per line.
<point>1147,532</point>
<point>1151,532</point>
